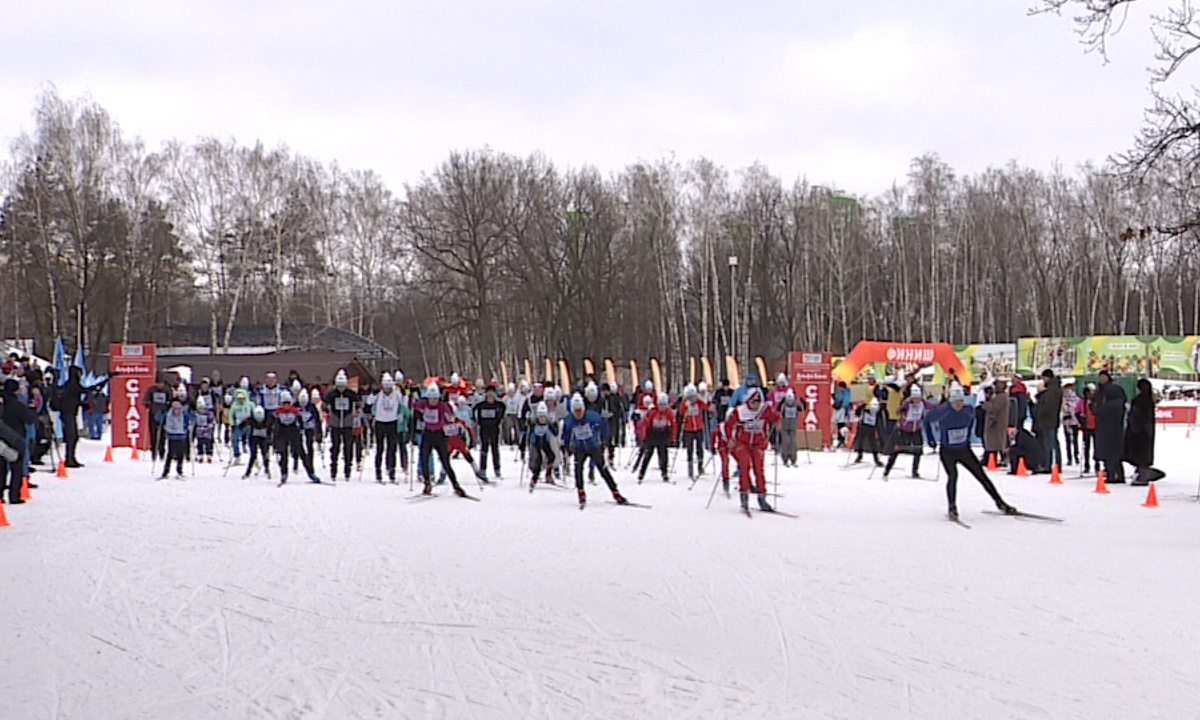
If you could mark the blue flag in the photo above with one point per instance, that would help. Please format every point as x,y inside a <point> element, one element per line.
<point>60,361</point>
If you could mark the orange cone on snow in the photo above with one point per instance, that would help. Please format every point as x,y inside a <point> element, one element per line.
<point>62,469</point>
<point>108,454</point>
<point>134,455</point>
<point>1101,486</point>
<point>25,489</point>
<point>1055,478</point>
<point>1022,471</point>
<point>3,517</point>
<point>992,462</point>
<point>1151,497</point>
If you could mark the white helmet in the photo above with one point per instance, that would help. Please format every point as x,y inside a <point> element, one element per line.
<point>302,398</point>
<point>551,394</point>
<point>244,383</point>
<point>286,396</point>
<point>648,386</point>
<point>591,391</point>
<point>648,401</point>
<point>577,402</point>
<point>874,404</point>
<point>703,387</point>
<point>689,391</point>
<point>915,391</point>
<point>259,413</point>
<point>542,410</point>
<point>296,387</point>
<point>781,379</point>
<point>663,400</point>
<point>181,392</point>
<point>340,379</point>
<point>454,378</point>
<point>524,386</point>
<point>433,392</point>
<point>228,399</point>
<point>387,382</point>
<point>512,388</point>
<point>790,395</point>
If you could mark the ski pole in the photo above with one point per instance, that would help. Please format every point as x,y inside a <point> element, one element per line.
<point>775,482</point>
<point>713,494</point>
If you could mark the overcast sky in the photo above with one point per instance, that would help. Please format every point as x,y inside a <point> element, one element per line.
<point>843,93</point>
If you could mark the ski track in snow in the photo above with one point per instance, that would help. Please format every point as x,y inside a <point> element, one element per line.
<point>220,597</point>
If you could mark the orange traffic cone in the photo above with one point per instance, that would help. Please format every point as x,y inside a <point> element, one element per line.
<point>1022,471</point>
<point>62,469</point>
<point>992,462</point>
<point>108,454</point>
<point>26,496</point>
<point>134,455</point>
<point>1055,478</point>
<point>3,517</point>
<point>1151,497</point>
<point>1101,486</point>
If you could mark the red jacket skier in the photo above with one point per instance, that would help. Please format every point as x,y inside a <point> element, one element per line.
<point>748,428</point>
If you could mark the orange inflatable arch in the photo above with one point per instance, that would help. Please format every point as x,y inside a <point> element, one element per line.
<point>872,351</point>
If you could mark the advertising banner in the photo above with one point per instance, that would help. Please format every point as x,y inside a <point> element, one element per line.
<point>132,369</point>
<point>812,380</point>
<point>1175,414</point>
<point>1119,354</point>
<point>987,360</point>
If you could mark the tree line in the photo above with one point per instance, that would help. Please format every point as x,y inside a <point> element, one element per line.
<point>492,257</point>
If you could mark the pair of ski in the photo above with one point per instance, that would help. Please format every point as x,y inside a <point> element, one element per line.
<point>430,496</point>
<point>624,504</point>
<point>1018,514</point>
<point>747,513</point>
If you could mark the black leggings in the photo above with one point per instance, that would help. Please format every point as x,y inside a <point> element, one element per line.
<point>951,459</point>
<point>649,445</point>
<point>386,440</point>
<point>489,441</point>
<point>596,455</point>
<point>432,440</point>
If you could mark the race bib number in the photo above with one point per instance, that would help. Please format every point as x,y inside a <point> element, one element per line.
<point>693,410</point>
<point>201,421</point>
<point>487,414</point>
<point>450,430</point>
<point>661,424</point>
<point>724,401</point>
<point>915,413</point>
<point>160,398</point>
<point>605,414</point>
<point>287,419</point>
<point>956,436</point>
<point>583,433</point>
<point>541,430</point>
<point>431,417</point>
<point>753,427</point>
<point>341,404</point>
<point>868,420</point>
<point>791,413</point>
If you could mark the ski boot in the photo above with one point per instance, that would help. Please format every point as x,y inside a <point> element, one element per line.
<point>725,486</point>
<point>283,479</point>
<point>314,478</point>
<point>1006,508</point>
<point>619,499</point>
<point>591,476</point>
<point>582,498</point>
<point>764,505</point>
<point>666,477</point>
<point>458,490</point>
<point>745,498</point>
<point>952,513</point>
<point>428,488</point>
<point>916,476</point>
<point>379,478</point>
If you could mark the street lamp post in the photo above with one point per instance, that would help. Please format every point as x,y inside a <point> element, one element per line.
<point>733,343</point>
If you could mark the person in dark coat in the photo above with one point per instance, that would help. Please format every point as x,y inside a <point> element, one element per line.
<point>1139,435</point>
<point>15,415</point>
<point>1108,405</point>
<point>1047,415</point>
<point>1025,445</point>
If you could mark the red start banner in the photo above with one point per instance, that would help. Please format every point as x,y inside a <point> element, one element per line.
<point>1175,414</point>
<point>812,381</point>
<point>132,369</point>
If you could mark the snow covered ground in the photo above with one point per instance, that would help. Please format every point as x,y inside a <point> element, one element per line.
<point>219,597</point>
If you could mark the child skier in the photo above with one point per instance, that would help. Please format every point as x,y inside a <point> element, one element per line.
<point>538,442</point>
<point>176,425</point>
<point>289,438</point>
<point>436,416</point>
<point>310,422</point>
<point>206,427</point>
<point>867,437</point>
<point>260,440</point>
<point>789,410</point>
<point>911,417</point>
